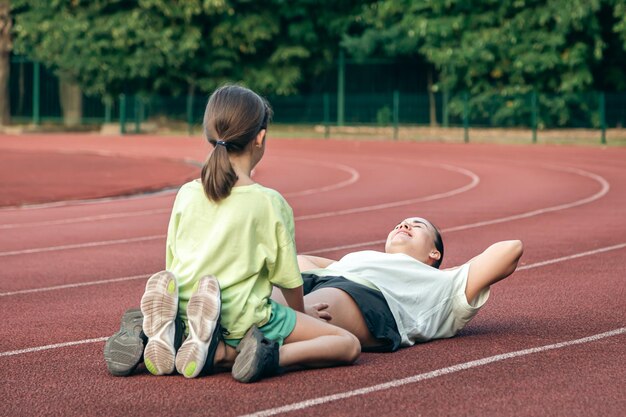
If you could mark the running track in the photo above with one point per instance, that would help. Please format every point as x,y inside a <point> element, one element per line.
<point>550,341</point>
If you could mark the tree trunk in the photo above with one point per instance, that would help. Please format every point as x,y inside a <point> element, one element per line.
<point>5,63</point>
<point>432,104</point>
<point>71,102</point>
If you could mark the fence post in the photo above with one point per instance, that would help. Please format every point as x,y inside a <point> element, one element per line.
<point>122,114</point>
<point>445,113</point>
<point>602,119</point>
<point>326,115</point>
<point>533,104</point>
<point>107,109</point>
<point>190,113</point>
<point>138,113</point>
<point>466,117</point>
<point>36,93</point>
<point>396,113</point>
<point>341,87</point>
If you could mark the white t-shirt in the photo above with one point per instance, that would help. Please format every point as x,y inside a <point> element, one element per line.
<point>427,303</point>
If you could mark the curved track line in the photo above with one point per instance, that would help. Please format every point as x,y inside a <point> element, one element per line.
<point>81,245</point>
<point>354,177</point>
<point>603,182</point>
<point>604,189</point>
<point>86,218</point>
<point>134,277</point>
<point>432,374</point>
<point>75,285</point>
<point>475,180</point>
<point>55,346</point>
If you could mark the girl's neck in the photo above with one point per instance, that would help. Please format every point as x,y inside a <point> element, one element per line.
<point>242,165</point>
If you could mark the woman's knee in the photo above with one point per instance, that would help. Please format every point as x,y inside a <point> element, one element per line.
<point>352,349</point>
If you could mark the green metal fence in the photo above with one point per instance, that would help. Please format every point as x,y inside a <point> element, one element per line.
<point>35,99</point>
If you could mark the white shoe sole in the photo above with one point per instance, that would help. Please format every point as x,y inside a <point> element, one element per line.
<point>203,311</point>
<point>159,306</point>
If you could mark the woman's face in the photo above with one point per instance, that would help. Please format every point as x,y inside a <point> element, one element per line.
<point>414,237</point>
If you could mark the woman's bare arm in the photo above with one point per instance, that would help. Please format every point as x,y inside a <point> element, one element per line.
<point>497,262</point>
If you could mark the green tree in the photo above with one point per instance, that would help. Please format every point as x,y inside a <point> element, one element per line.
<point>175,46</point>
<point>495,49</point>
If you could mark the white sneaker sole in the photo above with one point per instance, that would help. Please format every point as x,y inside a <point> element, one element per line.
<point>159,306</point>
<point>203,311</point>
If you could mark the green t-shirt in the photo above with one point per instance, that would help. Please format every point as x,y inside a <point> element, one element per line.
<point>246,240</point>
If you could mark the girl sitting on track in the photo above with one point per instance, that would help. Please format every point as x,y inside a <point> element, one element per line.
<point>229,240</point>
<point>400,297</point>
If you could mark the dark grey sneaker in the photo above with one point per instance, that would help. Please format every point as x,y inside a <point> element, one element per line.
<point>159,306</point>
<point>124,350</point>
<point>197,353</point>
<point>257,358</point>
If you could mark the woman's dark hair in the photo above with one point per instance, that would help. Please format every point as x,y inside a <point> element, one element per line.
<point>438,246</point>
<point>233,117</point>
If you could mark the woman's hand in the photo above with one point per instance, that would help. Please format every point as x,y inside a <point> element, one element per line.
<point>318,311</point>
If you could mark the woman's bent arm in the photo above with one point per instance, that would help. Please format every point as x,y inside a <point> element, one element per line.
<point>497,262</point>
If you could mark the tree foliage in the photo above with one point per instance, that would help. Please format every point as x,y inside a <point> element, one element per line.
<point>114,46</point>
<point>493,47</point>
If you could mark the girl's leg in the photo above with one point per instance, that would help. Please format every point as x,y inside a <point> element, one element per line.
<point>316,343</point>
<point>224,356</point>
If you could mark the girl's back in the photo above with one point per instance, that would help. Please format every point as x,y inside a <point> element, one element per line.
<point>246,240</point>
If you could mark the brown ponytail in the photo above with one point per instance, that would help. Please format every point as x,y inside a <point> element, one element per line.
<point>234,116</point>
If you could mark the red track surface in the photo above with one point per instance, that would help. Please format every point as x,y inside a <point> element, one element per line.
<point>70,270</point>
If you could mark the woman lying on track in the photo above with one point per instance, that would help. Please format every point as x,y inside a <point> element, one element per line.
<point>400,297</point>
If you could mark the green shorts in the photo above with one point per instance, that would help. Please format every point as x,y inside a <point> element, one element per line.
<point>279,327</point>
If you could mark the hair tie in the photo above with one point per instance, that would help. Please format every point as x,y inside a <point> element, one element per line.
<point>221,142</point>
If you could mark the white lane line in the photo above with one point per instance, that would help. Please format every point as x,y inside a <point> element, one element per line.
<point>432,374</point>
<point>55,346</point>
<point>86,218</point>
<point>75,285</point>
<point>133,277</point>
<point>81,245</point>
<point>570,257</point>
<point>604,189</point>
<point>354,177</point>
<point>93,201</point>
<point>475,180</point>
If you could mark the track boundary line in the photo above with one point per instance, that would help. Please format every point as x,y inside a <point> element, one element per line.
<point>54,346</point>
<point>81,245</point>
<point>133,277</point>
<point>432,374</point>
<point>473,183</point>
<point>475,180</point>
<point>75,285</point>
<point>604,189</point>
<point>355,176</point>
<point>85,219</point>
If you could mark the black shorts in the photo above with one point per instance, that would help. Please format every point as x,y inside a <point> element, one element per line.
<point>372,304</point>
